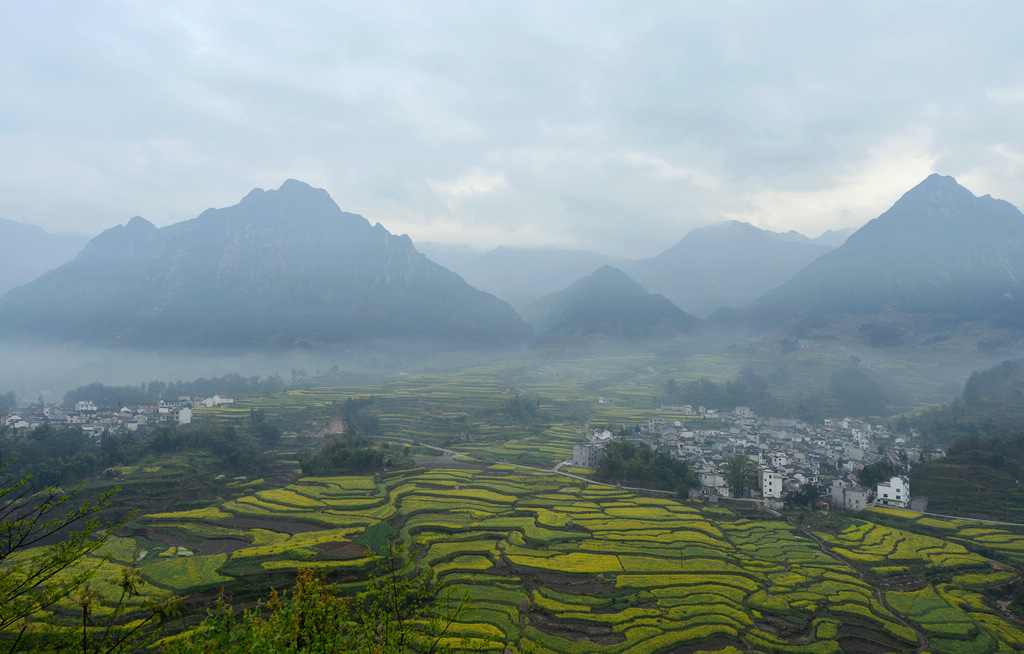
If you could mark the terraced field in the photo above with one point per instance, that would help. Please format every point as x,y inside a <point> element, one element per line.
<point>559,565</point>
<point>461,409</point>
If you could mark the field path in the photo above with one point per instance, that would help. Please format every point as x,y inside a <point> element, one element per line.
<point>957,517</point>
<point>879,593</point>
<point>555,469</point>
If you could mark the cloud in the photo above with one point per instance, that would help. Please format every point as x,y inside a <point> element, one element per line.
<point>470,184</point>
<point>891,168</point>
<point>597,125</point>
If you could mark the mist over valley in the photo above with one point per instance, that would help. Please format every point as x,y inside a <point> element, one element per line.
<point>515,328</point>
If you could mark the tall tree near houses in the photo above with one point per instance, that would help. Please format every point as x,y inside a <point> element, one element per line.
<point>739,471</point>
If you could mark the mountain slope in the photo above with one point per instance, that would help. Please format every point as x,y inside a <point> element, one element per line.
<point>606,305</point>
<point>939,252</point>
<point>729,263</point>
<point>519,276</point>
<point>283,268</point>
<point>27,251</point>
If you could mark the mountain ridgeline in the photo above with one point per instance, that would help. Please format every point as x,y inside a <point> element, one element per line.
<point>938,258</point>
<point>27,251</point>
<point>287,268</point>
<point>281,268</point>
<point>727,264</point>
<point>607,305</point>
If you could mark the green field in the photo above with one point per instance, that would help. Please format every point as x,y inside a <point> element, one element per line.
<point>558,565</point>
<point>552,563</point>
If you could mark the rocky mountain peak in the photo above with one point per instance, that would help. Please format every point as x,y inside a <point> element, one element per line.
<point>281,267</point>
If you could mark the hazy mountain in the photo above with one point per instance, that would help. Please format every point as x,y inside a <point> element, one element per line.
<point>606,305</point>
<point>284,268</point>
<point>834,238</point>
<point>730,263</point>
<point>27,251</point>
<point>519,276</point>
<point>937,258</point>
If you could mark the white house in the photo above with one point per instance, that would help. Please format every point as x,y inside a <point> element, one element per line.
<point>771,483</point>
<point>711,477</point>
<point>779,459</point>
<point>847,495</point>
<point>586,455</point>
<point>85,405</point>
<point>217,400</point>
<point>895,492</point>
<point>855,498</point>
<point>185,416</point>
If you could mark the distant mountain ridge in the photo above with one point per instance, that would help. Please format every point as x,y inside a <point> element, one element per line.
<point>520,276</point>
<point>27,251</point>
<point>729,263</point>
<point>606,305</point>
<point>939,252</point>
<point>281,268</point>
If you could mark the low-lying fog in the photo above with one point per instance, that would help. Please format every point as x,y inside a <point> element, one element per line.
<point>911,377</point>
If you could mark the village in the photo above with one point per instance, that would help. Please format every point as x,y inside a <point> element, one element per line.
<point>788,455</point>
<point>91,420</point>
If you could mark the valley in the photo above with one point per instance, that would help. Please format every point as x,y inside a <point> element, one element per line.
<point>551,563</point>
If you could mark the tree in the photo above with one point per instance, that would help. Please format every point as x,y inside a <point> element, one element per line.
<point>874,473</point>
<point>738,471</point>
<point>856,393</point>
<point>44,535</point>
<point>641,467</point>
<point>806,496</point>
<point>401,611</point>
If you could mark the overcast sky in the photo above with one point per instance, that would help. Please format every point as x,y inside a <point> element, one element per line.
<point>615,127</point>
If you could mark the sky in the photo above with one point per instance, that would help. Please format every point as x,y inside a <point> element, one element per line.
<point>608,126</point>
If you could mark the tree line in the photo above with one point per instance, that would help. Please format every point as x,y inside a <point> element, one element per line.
<point>66,455</point>
<point>115,397</point>
<point>850,392</point>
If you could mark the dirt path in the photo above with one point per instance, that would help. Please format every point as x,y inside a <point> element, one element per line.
<point>879,593</point>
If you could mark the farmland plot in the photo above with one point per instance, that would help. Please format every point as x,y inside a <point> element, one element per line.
<point>559,565</point>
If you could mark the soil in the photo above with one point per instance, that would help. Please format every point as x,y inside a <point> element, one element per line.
<point>791,631</point>
<point>582,586</point>
<point>445,462</point>
<point>339,550</point>
<point>575,630</point>
<point>710,646</point>
<point>221,546</point>
<point>865,638</point>
<point>169,539</point>
<point>862,646</point>
<point>283,526</point>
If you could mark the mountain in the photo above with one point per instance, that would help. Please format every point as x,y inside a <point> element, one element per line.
<point>729,263</point>
<point>27,251</point>
<point>834,238</point>
<point>606,305</point>
<point>281,268</point>
<point>520,276</point>
<point>938,258</point>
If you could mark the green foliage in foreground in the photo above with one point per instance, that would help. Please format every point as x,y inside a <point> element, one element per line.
<point>40,574</point>
<point>401,611</point>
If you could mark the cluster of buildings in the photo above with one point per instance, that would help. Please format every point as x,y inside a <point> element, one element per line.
<point>787,453</point>
<point>91,419</point>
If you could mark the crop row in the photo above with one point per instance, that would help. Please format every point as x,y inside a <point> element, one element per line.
<point>658,573</point>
